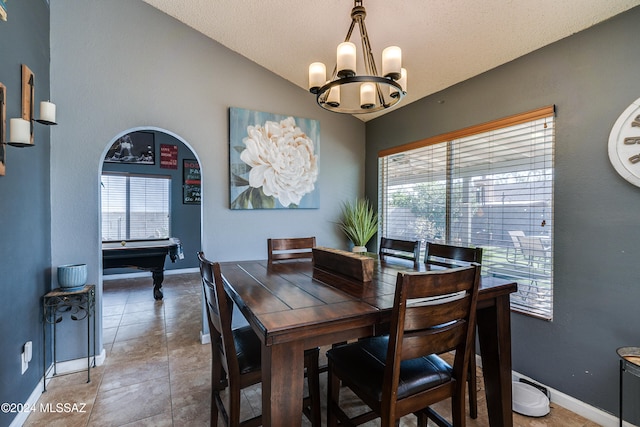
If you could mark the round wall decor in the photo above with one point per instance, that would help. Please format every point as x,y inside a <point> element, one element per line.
<point>624,144</point>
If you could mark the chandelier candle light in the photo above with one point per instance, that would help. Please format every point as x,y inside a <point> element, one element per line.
<point>375,92</point>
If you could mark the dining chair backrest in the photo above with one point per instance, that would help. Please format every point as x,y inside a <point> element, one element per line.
<point>433,313</point>
<point>404,249</point>
<point>290,248</point>
<point>219,307</point>
<point>451,256</point>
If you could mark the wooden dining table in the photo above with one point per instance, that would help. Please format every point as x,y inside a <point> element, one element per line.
<point>292,307</point>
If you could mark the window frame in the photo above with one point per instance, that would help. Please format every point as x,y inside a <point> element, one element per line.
<point>529,281</point>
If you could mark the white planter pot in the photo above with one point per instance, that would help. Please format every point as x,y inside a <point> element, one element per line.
<point>359,249</point>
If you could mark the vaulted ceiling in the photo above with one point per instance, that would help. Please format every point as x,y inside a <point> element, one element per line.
<point>443,42</point>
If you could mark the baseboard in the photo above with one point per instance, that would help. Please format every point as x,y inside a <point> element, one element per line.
<point>75,365</point>
<point>107,277</point>
<point>182,271</point>
<point>65,367</point>
<point>31,402</point>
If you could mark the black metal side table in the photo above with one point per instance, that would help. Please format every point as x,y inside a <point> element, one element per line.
<point>79,304</point>
<point>629,362</point>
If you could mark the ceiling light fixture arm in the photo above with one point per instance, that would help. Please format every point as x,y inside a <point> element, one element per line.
<point>357,15</point>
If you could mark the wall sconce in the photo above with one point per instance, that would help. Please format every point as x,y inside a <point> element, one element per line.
<point>21,129</point>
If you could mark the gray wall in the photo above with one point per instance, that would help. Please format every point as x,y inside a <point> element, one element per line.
<point>25,249</point>
<point>591,77</point>
<point>121,65</point>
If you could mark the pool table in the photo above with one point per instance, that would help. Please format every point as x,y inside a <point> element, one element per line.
<point>148,255</point>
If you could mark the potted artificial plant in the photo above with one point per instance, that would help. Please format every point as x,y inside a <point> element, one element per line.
<point>359,222</point>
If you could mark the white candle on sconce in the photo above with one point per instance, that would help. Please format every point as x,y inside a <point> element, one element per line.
<point>19,131</point>
<point>47,112</point>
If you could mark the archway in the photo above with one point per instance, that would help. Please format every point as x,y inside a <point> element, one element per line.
<point>152,154</point>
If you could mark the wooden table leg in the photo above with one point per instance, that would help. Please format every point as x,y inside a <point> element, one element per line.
<point>282,384</point>
<point>494,334</point>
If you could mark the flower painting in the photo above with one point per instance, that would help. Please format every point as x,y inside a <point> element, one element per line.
<point>273,161</point>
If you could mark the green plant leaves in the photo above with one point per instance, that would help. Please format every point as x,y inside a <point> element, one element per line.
<point>359,221</point>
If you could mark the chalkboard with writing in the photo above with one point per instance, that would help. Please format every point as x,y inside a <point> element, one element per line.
<point>190,182</point>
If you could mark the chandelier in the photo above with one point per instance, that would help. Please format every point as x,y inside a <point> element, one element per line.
<point>347,92</point>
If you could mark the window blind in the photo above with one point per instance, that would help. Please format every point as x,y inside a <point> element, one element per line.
<point>489,186</point>
<point>135,207</point>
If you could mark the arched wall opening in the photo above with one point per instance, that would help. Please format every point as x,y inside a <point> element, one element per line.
<point>185,209</point>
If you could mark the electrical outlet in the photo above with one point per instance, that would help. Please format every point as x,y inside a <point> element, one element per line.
<point>26,356</point>
<point>28,351</point>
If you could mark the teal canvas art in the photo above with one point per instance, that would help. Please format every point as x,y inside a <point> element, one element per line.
<point>273,161</point>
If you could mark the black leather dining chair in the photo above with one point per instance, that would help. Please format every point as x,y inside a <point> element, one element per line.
<point>236,356</point>
<point>402,373</point>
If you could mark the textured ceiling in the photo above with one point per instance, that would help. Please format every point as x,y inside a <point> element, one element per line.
<point>443,41</point>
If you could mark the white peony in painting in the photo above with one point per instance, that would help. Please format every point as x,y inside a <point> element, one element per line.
<point>273,161</point>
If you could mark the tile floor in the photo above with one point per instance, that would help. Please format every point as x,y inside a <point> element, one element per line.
<point>157,373</point>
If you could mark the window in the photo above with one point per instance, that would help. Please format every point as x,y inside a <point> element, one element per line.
<point>135,207</point>
<point>490,186</point>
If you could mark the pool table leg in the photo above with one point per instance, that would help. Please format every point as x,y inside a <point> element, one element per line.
<point>158,277</point>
